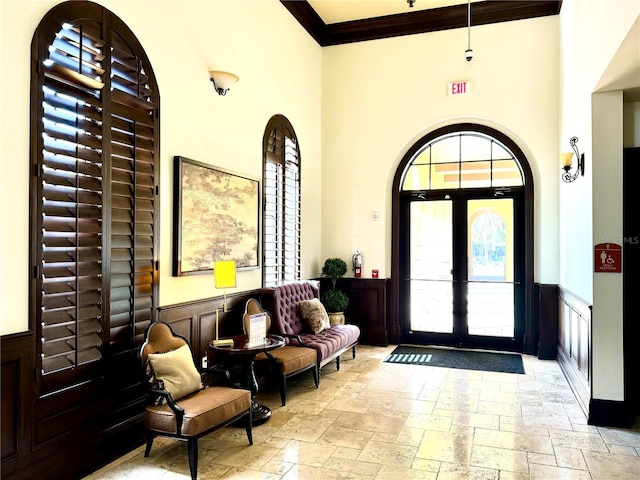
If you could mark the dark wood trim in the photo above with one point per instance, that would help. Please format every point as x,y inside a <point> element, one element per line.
<point>574,345</point>
<point>18,357</point>
<point>547,315</point>
<point>68,434</point>
<point>368,307</point>
<point>308,18</point>
<point>609,413</point>
<point>630,267</point>
<point>420,21</point>
<point>196,320</point>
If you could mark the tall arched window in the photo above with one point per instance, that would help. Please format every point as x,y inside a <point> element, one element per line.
<point>94,187</point>
<point>281,201</point>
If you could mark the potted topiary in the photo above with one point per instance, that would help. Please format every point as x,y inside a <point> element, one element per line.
<point>335,301</point>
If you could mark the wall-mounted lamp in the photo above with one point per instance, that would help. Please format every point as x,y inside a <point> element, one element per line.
<point>222,81</point>
<point>566,160</point>
<point>224,275</point>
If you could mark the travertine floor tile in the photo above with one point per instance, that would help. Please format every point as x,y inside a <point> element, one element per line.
<point>306,472</point>
<point>345,437</point>
<point>546,472</point>
<point>305,453</point>
<point>368,422</point>
<point>376,421</point>
<point>393,472</point>
<point>445,447</point>
<point>388,454</point>
<point>514,441</point>
<point>450,471</point>
<point>500,458</point>
<point>611,466</point>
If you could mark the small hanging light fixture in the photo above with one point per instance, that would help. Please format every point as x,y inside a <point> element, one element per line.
<point>468,54</point>
<point>411,2</point>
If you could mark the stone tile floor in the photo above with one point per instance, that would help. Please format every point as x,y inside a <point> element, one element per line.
<point>374,420</point>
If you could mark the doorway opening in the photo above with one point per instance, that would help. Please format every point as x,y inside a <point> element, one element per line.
<point>462,241</point>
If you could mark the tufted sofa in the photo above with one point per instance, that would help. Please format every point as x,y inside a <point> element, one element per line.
<point>282,303</point>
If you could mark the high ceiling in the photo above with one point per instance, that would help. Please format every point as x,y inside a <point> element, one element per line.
<point>335,22</point>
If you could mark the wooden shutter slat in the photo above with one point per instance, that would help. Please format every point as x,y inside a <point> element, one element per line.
<point>70,164</point>
<point>71,254</point>
<point>130,101</point>
<point>128,115</point>
<point>73,238</point>
<point>84,95</point>
<point>60,106</point>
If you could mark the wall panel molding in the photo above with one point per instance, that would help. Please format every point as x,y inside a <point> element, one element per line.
<point>574,345</point>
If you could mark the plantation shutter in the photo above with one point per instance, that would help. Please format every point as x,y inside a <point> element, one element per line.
<point>72,178</point>
<point>281,210</point>
<point>132,199</point>
<point>94,198</point>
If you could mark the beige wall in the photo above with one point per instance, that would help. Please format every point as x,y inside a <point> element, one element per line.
<point>380,97</point>
<point>599,51</point>
<point>279,67</point>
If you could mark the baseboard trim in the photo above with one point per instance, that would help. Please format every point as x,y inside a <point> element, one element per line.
<point>609,413</point>
<point>548,352</point>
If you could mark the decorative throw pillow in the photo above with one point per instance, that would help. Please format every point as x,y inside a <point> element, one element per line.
<point>176,372</point>
<point>314,314</point>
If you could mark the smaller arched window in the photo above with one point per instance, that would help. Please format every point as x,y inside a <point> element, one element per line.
<point>281,200</point>
<point>463,159</point>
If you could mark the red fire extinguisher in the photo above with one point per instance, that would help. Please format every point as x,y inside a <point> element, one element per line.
<point>357,264</point>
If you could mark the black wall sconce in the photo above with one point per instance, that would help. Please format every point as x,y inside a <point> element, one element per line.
<point>566,159</point>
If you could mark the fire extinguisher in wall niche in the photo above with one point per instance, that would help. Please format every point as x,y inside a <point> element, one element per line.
<point>357,264</point>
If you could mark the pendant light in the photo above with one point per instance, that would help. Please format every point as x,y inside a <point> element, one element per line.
<point>468,54</point>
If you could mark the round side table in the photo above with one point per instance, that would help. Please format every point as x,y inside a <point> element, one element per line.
<point>245,354</point>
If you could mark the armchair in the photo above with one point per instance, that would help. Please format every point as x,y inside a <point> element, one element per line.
<point>179,406</point>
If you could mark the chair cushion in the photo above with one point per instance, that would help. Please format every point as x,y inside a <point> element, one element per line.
<point>175,371</point>
<point>314,315</point>
<point>203,410</point>
<point>292,359</point>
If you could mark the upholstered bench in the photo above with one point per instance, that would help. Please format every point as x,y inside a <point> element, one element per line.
<point>286,361</point>
<point>283,303</point>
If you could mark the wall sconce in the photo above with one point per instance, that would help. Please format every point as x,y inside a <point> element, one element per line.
<point>224,275</point>
<point>566,160</point>
<point>222,81</point>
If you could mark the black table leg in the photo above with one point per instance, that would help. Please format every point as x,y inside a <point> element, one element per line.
<point>260,412</point>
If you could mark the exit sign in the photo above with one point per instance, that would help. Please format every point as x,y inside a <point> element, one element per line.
<point>459,88</point>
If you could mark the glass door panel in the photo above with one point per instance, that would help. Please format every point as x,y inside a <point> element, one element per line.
<point>490,268</point>
<point>431,266</point>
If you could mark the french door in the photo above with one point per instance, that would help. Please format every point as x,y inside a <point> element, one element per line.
<point>461,268</point>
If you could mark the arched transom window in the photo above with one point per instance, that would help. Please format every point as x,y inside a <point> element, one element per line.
<point>463,159</point>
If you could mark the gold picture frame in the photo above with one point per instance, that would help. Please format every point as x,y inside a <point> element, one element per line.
<point>216,215</point>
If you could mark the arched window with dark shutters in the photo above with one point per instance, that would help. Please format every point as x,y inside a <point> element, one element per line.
<point>281,203</point>
<point>94,156</point>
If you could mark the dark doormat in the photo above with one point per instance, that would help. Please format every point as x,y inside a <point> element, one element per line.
<point>453,358</point>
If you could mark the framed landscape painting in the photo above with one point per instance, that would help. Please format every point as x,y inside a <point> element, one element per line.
<point>215,217</point>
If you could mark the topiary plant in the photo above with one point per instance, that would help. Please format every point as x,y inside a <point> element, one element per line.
<point>335,301</point>
<point>334,268</point>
